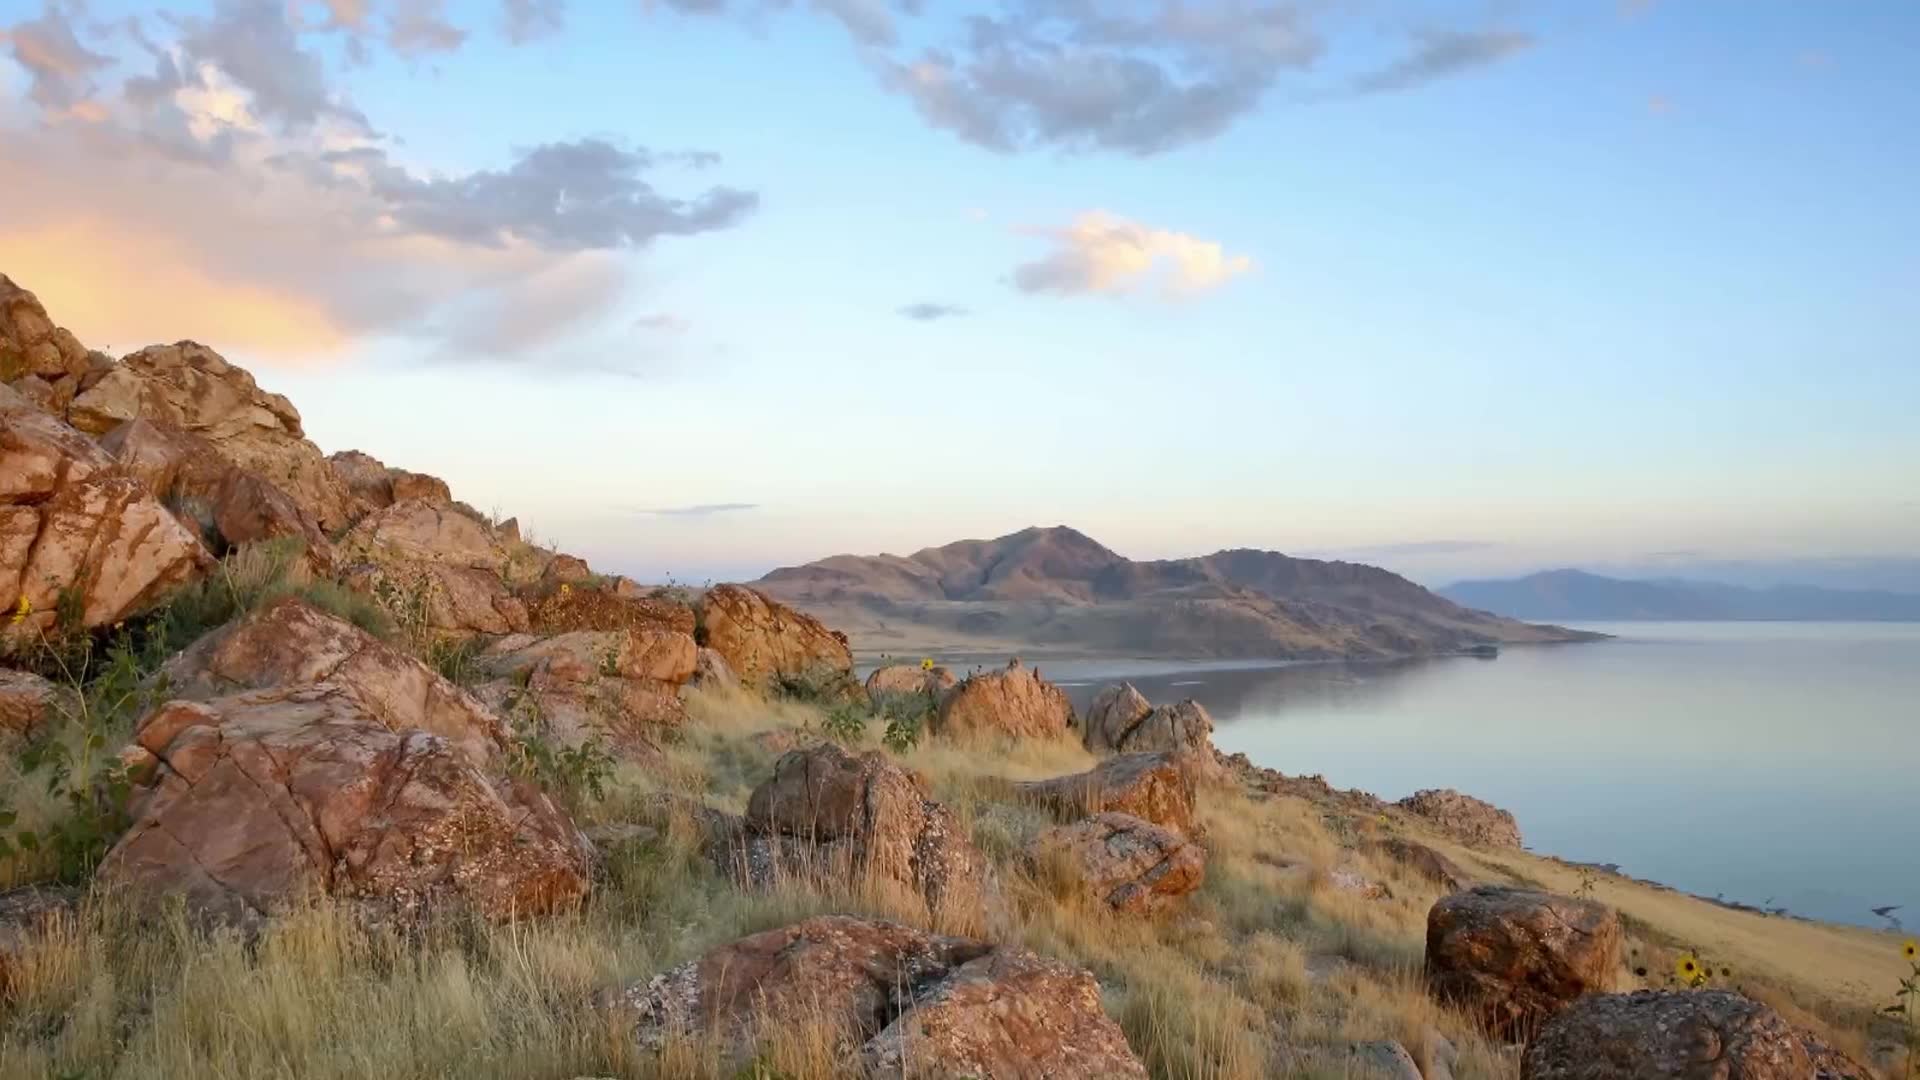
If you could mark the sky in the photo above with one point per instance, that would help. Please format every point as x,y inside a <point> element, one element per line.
<point>697,288</point>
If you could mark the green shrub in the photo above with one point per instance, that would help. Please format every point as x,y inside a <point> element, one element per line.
<point>846,724</point>
<point>908,717</point>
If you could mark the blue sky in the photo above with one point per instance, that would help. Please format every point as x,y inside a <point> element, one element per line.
<point>1461,288</point>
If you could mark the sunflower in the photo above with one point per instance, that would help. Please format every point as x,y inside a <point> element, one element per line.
<point>926,664</point>
<point>1689,970</point>
<point>1911,950</point>
<point>22,609</point>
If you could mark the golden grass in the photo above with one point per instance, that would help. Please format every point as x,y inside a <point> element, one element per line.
<point>1271,969</point>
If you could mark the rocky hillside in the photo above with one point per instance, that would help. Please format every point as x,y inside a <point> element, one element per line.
<point>1058,588</point>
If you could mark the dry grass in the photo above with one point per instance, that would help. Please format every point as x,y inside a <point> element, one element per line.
<point>1271,969</point>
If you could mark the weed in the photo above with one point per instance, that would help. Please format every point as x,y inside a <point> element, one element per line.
<point>846,724</point>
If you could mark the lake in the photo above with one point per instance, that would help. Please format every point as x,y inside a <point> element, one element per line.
<point>1776,764</point>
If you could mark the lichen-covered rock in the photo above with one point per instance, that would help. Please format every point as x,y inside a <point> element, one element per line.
<point>1680,1035</point>
<point>1518,956</point>
<point>771,646</point>
<point>1005,1016</point>
<point>1014,701</point>
<point>292,643</point>
<point>434,560</point>
<point>1468,819</point>
<point>907,679</point>
<point>1132,866</point>
<point>255,801</point>
<point>863,815</point>
<point>623,685</point>
<point>71,519</point>
<point>1152,787</point>
<point>27,913</point>
<point>903,1002</point>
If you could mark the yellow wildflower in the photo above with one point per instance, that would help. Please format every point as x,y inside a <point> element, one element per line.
<point>1689,970</point>
<point>926,664</point>
<point>22,609</point>
<point>1910,950</point>
<point>566,589</point>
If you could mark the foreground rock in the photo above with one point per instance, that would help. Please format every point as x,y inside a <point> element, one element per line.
<point>1516,956</point>
<point>71,519</point>
<point>25,915</point>
<point>1014,701</point>
<point>1131,866</point>
<point>1465,817</point>
<point>1152,787</point>
<point>1679,1035</point>
<point>771,646</point>
<point>867,819</point>
<point>258,800</point>
<point>900,999</point>
<point>909,679</point>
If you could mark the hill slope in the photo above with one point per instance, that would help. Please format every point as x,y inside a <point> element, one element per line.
<point>1057,588</point>
<point>1575,594</point>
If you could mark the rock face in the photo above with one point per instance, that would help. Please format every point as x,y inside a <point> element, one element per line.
<point>26,700</point>
<point>906,1002</point>
<point>768,644</point>
<point>620,684</point>
<point>903,679</point>
<point>1465,817</point>
<point>1015,701</point>
<point>291,643</point>
<point>866,816</point>
<point>371,485</point>
<point>1516,956</point>
<point>1679,1035</point>
<point>26,913</point>
<point>436,561</point>
<point>70,518</point>
<point>1120,720</point>
<point>44,363</point>
<point>1152,787</point>
<point>256,800</point>
<point>1132,866</point>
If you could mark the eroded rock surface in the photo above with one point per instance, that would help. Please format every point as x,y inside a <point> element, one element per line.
<point>1152,787</point>
<point>1680,1035</point>
<point>1132,866</point>
<point>1517,956</point>
<point>1120,720</point>
<point>773,646</point>
<point>621,684</point>
<point>1468,819</point>
<point>1015,701</point>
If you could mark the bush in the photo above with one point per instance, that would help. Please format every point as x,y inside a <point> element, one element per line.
<point>846,724</point>
<point>908,716</point>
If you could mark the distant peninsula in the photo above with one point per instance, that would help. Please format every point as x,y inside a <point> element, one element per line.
<point>1577,595</point>
<point>1057,590</point>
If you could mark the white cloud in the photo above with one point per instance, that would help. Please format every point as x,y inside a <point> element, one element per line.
<point>1100,252</point>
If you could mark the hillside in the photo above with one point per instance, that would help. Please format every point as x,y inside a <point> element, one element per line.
<point>1058,589</point>
<point>1575,594</point>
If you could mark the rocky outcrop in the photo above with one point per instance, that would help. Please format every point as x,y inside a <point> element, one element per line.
<point>292,643</point>
<point>1152,787</point>
<point>26,701</point>
<point>841,814</point>
<point>1120,720</point>
<point>772,646</point>
<point>1678,1035</point>
<point>254,801</point>
<point>71,519</point>
<point>443,567</point>
<point>1009,1014</point>
<point>909,679</point>
<point>554,609</point>
<point>1466,818</point>
<point>623,685</point>
<point>710,671</point>
<point>27,913</point>
<point>903,1001</point>
<point>371,485</point>
<point>1014,701</point>
<point>1132,866</point>
<point>1516,956</point>
<point>44,363</point>
<point>1425,861</point>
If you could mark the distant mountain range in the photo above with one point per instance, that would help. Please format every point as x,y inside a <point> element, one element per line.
<point>1576,595</point>
<point>1057,589</point>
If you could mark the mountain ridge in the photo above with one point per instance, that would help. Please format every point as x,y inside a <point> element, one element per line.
<point>1577,594</point>
<point>1057,587</point>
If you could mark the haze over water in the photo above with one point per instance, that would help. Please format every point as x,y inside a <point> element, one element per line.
<point>1771,763</point>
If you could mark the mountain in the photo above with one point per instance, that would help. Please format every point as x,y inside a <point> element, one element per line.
<point>1058,588</point>
<point>1575,594</point>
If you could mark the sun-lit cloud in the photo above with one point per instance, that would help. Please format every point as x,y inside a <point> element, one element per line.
<point>1102,252</point>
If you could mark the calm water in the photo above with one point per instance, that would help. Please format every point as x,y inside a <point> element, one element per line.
<point>1766,762</point>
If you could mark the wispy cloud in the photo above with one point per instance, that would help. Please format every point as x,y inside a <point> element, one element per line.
<point>662,323</point>
<point>1440,53</point>
<point>1105,253</point>
<point>928,311</point>
<point>696,510</point>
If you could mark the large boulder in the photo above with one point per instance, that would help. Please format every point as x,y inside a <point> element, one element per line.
<point>1517,956</point>
<point>1152,787</point>
<point>1680,1035</point>
<point>1015,701</point>
<point>904,1002</point>
<point>44,363</point>
<point>1133,867</point>
<point>292,643</point>
<point>444,570</point>
<point>865,816</point>
<point>259,800</point>
<point>905,680</point>
<point>1114,712</point>
<point>28,913</point>
<point>71,519</point>
<point>772,646</point>
<point>371,485</point>
<point>623,685</point>
<point>1466,818</point>
<point>26,702</point>
<point>190,388</point>
<point>1120,720</point>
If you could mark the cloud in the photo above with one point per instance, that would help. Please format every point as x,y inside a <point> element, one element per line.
<point>531,20</point>
<point>662,323</point>
<point>269,216</point>
<point>1104,253</point>
<point>1440,53</point>
<point>421,26</point>
<point>60,68</point>
<point>697,510</point>
<point>927,311</point>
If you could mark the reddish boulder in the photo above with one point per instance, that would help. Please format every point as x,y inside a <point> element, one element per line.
<point>1014,701</point>
<point>1517,956</point>
<point>1152,787</point>
<point>1132,866</point>
<point>771,646</point>
<point>1680,1035</point>
<point>909,679</point>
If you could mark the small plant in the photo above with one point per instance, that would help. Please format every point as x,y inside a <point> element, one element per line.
<point>846,724</point>
<point>573,775</point>
<point>1906,1005</point>
<point>907,719</point>
<point>1587,882</point>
